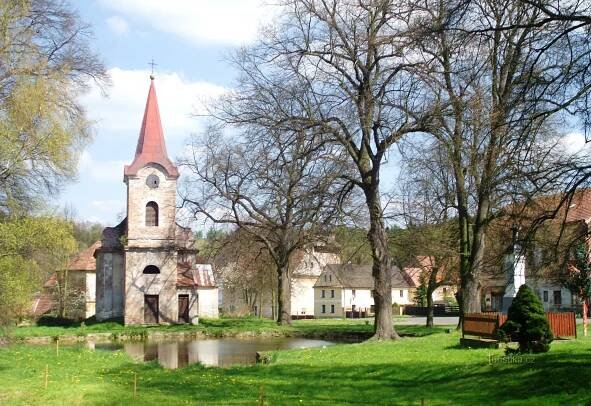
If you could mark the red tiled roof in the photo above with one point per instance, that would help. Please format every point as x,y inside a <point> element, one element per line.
<point>85,260</point>
<point>150,146</point>
<point>199,275</point>
<point>424,263</point>
<point>51,282</point>
<point>42,304</point>
<point>574,208</point>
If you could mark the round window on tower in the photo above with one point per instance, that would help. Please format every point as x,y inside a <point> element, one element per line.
<point>153,181</point>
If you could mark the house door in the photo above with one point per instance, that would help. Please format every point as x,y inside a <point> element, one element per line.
<point>150,309</point>
<point>184,309</point>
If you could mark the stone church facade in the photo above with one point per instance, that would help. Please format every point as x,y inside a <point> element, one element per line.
<point>148,271</point>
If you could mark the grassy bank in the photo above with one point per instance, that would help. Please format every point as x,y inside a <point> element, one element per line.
<point>210,327</point>
<point>431,367</point>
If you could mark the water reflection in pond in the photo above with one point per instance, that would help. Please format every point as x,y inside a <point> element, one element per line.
<point>221,352</point>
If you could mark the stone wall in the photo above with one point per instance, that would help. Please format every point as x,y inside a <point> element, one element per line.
<point>109,285</point>
<point>138,284</point>
<point>138,196</point>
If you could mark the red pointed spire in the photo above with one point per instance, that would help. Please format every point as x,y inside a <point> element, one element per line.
<point>151,147</point>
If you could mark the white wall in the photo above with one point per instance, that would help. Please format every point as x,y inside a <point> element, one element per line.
<point>208,302</point>
<point>549,304</point>
<point>401,299</point>
<point>302,295</point>
<point>90,293</point>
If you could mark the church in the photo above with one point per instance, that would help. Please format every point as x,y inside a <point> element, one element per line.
<point>147,267</point>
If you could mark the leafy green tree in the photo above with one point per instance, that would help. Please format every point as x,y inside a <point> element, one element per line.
<point>420,297</point>
<point>45,62</point>
<point>527,323</point>
<point>30,249</point>
<point>87,233</point>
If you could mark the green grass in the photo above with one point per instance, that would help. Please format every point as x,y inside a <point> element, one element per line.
<point>213,327</point>
<point>430,367</point>
<point>210,326</point>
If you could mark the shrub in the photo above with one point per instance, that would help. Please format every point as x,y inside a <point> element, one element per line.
<point>55,321</point>
<point>526,323</point>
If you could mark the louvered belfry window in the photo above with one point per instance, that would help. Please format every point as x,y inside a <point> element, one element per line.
<point>152,214</point>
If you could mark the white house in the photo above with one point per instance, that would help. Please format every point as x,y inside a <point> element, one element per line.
<point>309,267</point>
<point>343,290</point>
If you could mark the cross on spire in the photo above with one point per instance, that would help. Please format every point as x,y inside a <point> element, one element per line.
<point>152,64</point>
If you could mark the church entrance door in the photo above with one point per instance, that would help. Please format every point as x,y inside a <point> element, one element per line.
<point>150,309</point>
<point>184,309</point>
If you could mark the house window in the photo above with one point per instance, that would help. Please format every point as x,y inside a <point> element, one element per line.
<point>546,296</point>
<point>557,297</point>
<point>152,214</point>
<point>353,292</point>
<point>151,269</point>
<point>445,291</point>
<point>324,278</point>
<point>332,293</point>
<point>332,308</point>
<point>330,278</point>
<point>323,308</point>
<point>323,293</point>
<point>401,293</point>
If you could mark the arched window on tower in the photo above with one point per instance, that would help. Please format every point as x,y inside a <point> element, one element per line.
<point>151,269</point>
<point>152,214</point>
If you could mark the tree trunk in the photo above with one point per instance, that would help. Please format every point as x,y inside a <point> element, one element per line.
<point>430,308</point>
<point>585,315</point>
<point>382,292</point>
<point>431,286</point>
<point>459,299</point>
<point>470,294</point>
<point>283,295</point>
<point>272,303</point>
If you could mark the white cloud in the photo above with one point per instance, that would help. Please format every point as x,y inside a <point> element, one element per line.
<point>118,25</point>
<point>102,171</point>
<point>231,22</point>
<point>123,109</point>
<point>574,143</point>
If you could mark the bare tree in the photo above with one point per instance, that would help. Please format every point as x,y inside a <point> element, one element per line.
<point>499,93</point>
<point>247,273</point>
<point>428,243</point>
<point>340,69</point>
<point>281,188</point>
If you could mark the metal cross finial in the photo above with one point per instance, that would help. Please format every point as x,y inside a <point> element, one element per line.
<point>152,64</point>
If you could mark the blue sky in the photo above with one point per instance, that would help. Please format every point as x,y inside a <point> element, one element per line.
<point>189,40</point>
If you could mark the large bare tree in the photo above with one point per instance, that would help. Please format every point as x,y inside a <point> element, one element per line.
<point>343,69</point>
<point>500,84</point>
<point>281,188</point>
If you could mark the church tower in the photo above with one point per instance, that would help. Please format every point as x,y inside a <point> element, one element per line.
<point>150,257</point>
<point>147,266</point>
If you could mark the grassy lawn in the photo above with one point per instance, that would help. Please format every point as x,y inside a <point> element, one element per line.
<point>429,367</point>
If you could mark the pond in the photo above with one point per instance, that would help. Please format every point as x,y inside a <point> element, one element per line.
<point>221,352</point>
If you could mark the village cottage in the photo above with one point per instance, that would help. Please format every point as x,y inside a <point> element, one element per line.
<point>346,291</point>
